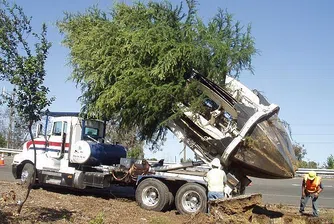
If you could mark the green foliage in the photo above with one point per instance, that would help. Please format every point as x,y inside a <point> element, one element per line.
<point>99,219</point>
<point>127,138</point>
<point>300,151</point>
<point>13,128</point>
<point>133,63</point>
<point>3,142</point>
<point>307,164</point>
<point>187,160</point>
<point>20,66</point>
<point>330,162</point>
<point>136,153</point>
<point>159,220</point>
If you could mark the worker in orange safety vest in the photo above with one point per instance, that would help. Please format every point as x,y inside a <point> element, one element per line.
<point>311,188</point>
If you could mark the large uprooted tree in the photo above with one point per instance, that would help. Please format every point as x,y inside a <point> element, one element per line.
<point>133,63</point>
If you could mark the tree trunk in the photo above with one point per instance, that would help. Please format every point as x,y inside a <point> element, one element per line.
<point>34,178</point>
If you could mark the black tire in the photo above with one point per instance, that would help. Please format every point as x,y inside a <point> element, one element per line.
<point>28,177</point>
<point>242,189</point>
<point>152,194</point>
<point>171,200</point>
<point>191,198</point>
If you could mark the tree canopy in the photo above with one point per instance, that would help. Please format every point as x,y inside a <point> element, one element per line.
<point>133,62</point>
<point>3,141</point>
<point>330,162</point>
<point>128,138</point>
<point>300,151</point>
<point>12,129</point>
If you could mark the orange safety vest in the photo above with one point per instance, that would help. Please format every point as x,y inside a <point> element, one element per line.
<point>312,186</point>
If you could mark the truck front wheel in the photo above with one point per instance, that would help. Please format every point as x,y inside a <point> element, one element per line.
<point>191,198</point>
<point>28,175</point>
<point>152,194</point>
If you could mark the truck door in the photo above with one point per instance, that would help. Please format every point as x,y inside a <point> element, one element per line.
<point>55,141</point>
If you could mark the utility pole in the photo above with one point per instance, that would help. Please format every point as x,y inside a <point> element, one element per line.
<point>185,153</point>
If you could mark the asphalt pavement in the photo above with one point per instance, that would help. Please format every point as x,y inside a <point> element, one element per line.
<point>6,170</point>
<point>286,191</point>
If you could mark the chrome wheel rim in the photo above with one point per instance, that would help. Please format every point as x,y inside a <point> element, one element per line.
<point>191,201</point>
<point>150,196</point>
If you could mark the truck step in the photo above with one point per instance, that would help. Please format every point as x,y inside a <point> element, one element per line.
<point>53,181</point>
<point>51,173</point>
<point>50,169</point>
<point>55,177</point>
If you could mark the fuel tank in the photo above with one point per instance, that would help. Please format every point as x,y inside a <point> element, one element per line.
<point>241,128</point>
<point>95,154</point>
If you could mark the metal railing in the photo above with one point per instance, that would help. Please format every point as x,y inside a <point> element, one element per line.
<point>323,172</point>
<point>12,151</point>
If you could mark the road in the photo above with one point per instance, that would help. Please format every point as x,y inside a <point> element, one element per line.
<point>273,191</point>
<point>6,171</point>
<point>288,191</point>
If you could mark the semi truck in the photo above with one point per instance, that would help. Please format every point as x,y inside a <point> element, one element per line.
<point>239,126</point>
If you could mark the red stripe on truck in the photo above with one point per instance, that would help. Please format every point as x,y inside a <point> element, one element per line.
<point>29,143</point>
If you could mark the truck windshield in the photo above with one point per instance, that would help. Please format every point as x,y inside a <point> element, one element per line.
<point>92,132</point>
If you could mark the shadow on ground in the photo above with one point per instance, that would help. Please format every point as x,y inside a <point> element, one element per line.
<point>4,218</point>
<point>49,214</point>
<point>264,211</point>
<point>39,215</point>
<point>114,192</point>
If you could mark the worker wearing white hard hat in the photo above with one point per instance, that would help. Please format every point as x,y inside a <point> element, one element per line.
<point>216,179</point>
<point>311,188</point>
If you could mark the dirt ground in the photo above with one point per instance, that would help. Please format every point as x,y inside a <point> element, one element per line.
<point>61,205</point>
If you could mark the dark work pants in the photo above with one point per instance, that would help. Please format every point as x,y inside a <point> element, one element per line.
<point>304,200</point>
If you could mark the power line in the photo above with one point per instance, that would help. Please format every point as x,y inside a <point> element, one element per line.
<point>284,77</point>
<point>311,124</point>
<point>314,134</point>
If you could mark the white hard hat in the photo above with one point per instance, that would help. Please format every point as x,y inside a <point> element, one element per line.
<point>215,162</point>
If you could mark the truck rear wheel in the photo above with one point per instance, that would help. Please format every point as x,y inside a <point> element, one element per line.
<point>152,194</point>
<point>191,198</point>
<point>28,175</point>
<point>171,200</point>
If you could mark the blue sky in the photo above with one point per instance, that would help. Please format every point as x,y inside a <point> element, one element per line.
<point>294,70</point>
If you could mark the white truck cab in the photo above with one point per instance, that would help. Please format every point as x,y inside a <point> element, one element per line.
<point>66,140</point>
